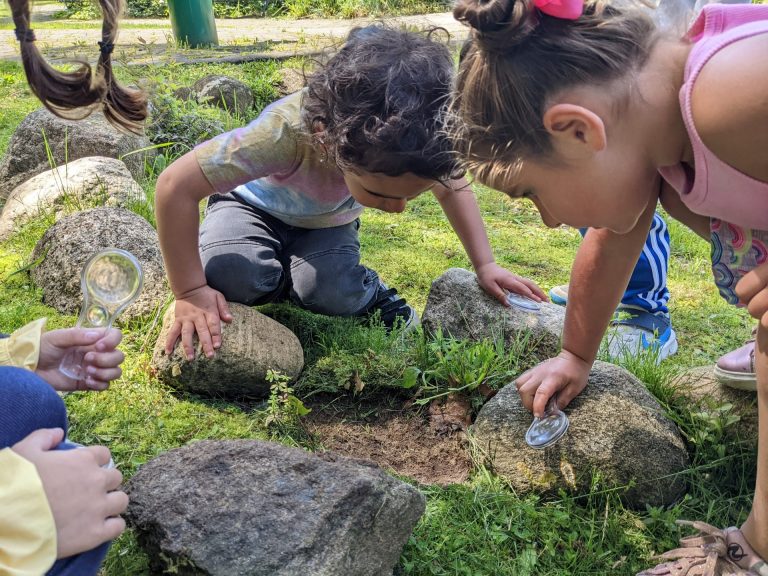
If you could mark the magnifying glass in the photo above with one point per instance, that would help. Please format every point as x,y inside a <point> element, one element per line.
<point>548,429</point>
<point>110,281</point>
<point>522,302</point>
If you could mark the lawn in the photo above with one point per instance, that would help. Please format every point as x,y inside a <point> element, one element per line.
<point>477,528</point>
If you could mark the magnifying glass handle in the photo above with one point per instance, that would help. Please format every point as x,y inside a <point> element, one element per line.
<point>72,363</point>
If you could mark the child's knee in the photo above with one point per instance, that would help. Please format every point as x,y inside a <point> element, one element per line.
<point>28,404</point>
<point>330,299</point>
<point>243,281</point>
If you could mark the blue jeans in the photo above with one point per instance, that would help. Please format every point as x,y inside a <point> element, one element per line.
<point>253,258</point>
<point>647,288</point>
<point>28,404</point>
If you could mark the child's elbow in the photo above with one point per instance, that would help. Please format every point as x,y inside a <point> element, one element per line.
<point>166,184</point>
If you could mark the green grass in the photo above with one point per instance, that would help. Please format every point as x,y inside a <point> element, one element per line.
<point>481,528</point>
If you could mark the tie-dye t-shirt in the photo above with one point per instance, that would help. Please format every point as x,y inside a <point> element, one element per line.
<point>271,164</point>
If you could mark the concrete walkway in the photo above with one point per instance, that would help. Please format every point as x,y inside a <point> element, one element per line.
<point>246,38</point>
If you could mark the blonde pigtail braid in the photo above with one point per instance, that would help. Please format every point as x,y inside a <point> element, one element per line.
<point>122,107</point>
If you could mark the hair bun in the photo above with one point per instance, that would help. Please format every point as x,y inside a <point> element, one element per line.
<point>484,15</point>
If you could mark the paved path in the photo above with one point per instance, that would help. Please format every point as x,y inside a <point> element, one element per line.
<point>242,36</point>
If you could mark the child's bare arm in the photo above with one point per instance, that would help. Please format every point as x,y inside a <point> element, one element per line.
<point>599,277</point>
<point>460,207</point>
<point>676,208</point>
<point>199,308</point>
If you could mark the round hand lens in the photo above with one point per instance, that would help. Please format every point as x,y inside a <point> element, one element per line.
<point>522,302</point>
<point>548,429</point>
<point>110,281</point>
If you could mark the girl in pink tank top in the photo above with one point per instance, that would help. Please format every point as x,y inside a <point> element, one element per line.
<point>592,113</point>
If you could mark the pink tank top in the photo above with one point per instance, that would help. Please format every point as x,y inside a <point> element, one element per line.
<point>717,189</point>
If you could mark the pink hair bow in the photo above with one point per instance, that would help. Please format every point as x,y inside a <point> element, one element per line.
<point>565,9</point>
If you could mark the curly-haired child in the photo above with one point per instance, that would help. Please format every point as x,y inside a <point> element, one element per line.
<point>286,192</point>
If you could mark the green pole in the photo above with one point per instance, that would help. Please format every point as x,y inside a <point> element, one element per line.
<point>193,22</point>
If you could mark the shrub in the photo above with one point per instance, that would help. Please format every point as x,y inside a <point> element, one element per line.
<point>182,124</point>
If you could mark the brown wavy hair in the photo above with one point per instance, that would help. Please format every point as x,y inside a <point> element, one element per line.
<point>82,90</point>
<point>516,58</point>
<point>377,105</point>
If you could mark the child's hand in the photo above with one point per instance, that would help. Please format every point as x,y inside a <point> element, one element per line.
<point>566,374</point>
<point>101,361</point>
<point>494,280</point>
<point>752,290</point>
<point>200,311</point>
<point>84,497</point>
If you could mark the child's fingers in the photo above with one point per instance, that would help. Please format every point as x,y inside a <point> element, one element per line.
<point>758,305</point>
<point>542,296</point>
<point>95,384</point>
<point>104,359</point>
<point>549,386</point>
<point>113,527</point>
<point>110,340</point>
<point>567,394</point>
<point>752,283</point>
<point>523,379</point>
<point>117,502</point>
<point>528,389</point>
<point>187,339</point>
<point>223,306</point>
<point>204,336</point>
<point>173,336</point>
<point>101,455</point>
<point>98,376</point>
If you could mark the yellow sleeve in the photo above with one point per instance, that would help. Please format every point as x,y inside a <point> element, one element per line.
<point>22,348</point>
<point>27,529</point>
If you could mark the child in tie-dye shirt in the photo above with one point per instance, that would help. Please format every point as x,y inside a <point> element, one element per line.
<point>286,192</point>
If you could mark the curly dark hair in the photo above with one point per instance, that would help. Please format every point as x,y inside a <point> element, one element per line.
<point>377,105</point>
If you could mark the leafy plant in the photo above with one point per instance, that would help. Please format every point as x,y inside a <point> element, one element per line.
<point>283,408</point>
<point>449,365</point>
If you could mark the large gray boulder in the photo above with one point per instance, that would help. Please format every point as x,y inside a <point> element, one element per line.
<point>87,182</point>
<point>618,431</point>
<point>41,133</point>
<point>458,305</point>
<point>67,245</point>
<point>227,93</point>
<point>246,507</point>
<point>251,345</point>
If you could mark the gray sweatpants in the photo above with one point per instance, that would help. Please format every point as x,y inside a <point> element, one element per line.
<point>253,258</point>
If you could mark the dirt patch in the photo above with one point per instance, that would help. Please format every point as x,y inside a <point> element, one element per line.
<point>396,439</point>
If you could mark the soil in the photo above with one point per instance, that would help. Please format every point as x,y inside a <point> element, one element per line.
<point>397,438</point>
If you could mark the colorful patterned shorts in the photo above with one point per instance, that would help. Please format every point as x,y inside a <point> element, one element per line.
<point>735,251</point>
